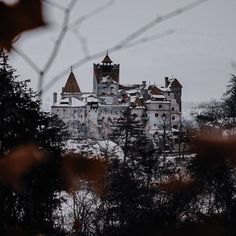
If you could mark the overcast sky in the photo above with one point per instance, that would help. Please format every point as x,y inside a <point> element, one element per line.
<point>199,52</point>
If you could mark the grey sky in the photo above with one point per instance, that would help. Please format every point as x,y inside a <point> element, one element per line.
<point>199,52</point>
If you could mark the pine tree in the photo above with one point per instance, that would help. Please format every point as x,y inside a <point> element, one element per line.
<point>22,123</point>
<point>129,194</point>
<point>230,100</point>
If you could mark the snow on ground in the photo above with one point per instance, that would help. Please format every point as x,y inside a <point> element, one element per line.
<point>95,148</point>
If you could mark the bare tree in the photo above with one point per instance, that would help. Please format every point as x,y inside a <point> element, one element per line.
<point>131,40</point>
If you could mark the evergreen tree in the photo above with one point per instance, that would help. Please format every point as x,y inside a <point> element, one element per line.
<point>21,123</point>
<point>230,100</point>
<point>130,195</point>
<point>213,173</point>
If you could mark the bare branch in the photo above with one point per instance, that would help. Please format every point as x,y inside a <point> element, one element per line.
<point>27,59</point>
<point>57,44</point>
<point>123,43</point>
<point>149,39</point>
<point>159,20</point>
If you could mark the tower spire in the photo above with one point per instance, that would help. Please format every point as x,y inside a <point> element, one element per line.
<point>107,59</point>
<point>71,85</point>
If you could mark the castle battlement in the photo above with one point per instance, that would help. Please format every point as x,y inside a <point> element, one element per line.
<point>158,107</point>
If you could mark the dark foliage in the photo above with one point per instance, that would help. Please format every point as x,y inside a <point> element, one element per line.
<point>29,199</point>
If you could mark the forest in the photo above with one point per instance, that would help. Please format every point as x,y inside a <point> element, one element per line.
<point>47,191</point>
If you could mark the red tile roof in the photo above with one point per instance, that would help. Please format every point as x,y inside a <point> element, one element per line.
<point>175,84</point>
<point>71,85</point>
<point>155,90</point>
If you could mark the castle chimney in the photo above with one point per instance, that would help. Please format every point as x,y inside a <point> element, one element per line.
<point>54,98</point>
<point>70,101</point>
<point>167,82</point>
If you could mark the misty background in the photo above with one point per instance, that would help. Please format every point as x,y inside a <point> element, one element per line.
<point>197,47</point>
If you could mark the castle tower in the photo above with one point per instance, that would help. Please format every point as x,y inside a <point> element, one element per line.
<point>176,88</point>
<point>106,80</point>
<point>71,88</point>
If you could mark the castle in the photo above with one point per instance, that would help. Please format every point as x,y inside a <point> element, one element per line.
<point>92,113</point>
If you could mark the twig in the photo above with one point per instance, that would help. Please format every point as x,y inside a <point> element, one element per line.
<point>159,20</point>
<point>148,39</point>
<point>26,59</point>
<point>128,39</point>
<point>57,45</point>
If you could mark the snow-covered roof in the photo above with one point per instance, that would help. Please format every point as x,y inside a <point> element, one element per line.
<point>161,102</point>
<point>131,86</point>
<point>69,102</point>
<point>92,99</point>
<point>85,95</point>
<point>158,96</point>
<point>163,89</point>
<point>132,91</point>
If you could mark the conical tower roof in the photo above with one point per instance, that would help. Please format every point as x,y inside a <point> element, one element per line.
<point>107,59</point>
<point>71,85</point>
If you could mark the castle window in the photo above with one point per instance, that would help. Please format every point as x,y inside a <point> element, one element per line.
<point>173,109</point>
<point>156,114</point>
<point>164,115</point>
<point>173,117</point>
<point>160,106</point>
<point>154,124</point>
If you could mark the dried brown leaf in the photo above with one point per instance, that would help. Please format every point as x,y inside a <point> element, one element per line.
<point>17,163</point>
<point>77,168</point>
<point>17,18</point>
<point>216,150</point>
<point>177,185</point>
